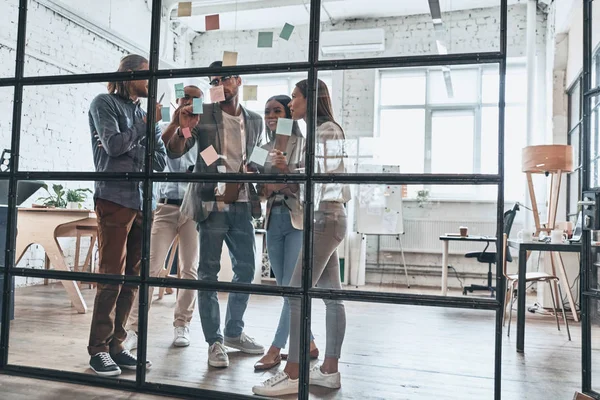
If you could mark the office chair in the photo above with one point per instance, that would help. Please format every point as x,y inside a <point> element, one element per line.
<point>489,258</point>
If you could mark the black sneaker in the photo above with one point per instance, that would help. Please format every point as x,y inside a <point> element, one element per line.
<point>104,365</point>
<point>127,360</point>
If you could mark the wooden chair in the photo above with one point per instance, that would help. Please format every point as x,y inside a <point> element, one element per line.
<point>511,288</point>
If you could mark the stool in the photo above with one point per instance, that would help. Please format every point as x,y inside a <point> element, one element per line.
<point>92,233</point>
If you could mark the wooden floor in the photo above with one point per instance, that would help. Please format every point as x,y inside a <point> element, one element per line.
<point>390,352</point>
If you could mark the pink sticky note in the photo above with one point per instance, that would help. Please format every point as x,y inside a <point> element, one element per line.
<point>209,155</point>
<point>186,132</point>
<point>217,94</point>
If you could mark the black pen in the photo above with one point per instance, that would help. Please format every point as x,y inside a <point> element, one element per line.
<point>161,97</point>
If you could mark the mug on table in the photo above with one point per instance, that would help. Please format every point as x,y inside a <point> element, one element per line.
<point>558,236</point>
<point>525,235</point>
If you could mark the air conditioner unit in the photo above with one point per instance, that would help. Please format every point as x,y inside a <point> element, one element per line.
<point>354,41</point>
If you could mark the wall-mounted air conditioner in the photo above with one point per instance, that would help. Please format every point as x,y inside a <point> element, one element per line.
<point>354,41</point>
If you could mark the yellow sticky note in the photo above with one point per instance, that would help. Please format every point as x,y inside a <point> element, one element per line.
<point>250,92</point>
<point>184,9</point>
<point>230,58</point>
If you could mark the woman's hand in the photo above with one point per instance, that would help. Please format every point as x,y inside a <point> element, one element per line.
<point>279,160</point>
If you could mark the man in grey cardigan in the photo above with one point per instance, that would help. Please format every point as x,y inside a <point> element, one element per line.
<point>118,133</point>
<point>222,212</point>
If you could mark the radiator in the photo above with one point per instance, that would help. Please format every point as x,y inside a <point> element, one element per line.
<point>422,236</point>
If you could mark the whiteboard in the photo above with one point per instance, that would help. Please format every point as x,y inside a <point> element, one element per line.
<point>379,207</point>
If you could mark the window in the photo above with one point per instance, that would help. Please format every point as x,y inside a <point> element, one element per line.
<point>574,139</point>
<point>438,122</point>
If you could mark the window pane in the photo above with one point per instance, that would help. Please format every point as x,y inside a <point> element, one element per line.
<point>402,134</point>
<point>574,192</point>
<point>574,142</point>
<point>455,86</point>
<point>452,142</point>
<point>8,36</point>
<point>516,81</point>
<point>515,139</point>
<point>405,88</point>
<point>574,106</point>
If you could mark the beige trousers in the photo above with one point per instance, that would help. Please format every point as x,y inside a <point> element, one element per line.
<point>168,223</point>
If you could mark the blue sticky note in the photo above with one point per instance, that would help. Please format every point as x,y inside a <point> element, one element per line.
<point>166,114</point>
<point>284,126</point>
<point>265,39</point>
<point>179,93</point>
<point>197,105</point>
<point>286,32</point>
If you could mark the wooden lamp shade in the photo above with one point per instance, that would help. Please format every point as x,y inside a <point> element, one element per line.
<point>547,158</point>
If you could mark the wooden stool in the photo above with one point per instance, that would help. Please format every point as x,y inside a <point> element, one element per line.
<point>92,233</point>
<point>165,271</point>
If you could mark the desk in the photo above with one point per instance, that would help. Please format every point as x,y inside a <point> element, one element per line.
<point>523,248</point>
<point>446,239</point>
<point>44,226</point>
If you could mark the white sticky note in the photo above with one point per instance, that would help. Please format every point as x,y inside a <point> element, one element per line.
<point>230,58</point>
<point>221,169</point>
<point>209,155</point>
<point>259,156</point>
<point>217,94</point>
<point>250,92</point>
<point>284,126</point>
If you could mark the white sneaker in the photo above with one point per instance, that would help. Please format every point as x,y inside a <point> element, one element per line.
<point>182,336</point>
<point>245,344</point>
<point>318,378</point>
<point>131,341</point>
<point>217,356</point>
<point>279,385</point>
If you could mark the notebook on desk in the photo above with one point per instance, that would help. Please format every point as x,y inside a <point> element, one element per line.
<point>578,229</point>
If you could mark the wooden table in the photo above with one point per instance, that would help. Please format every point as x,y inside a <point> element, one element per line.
<point>44,226</point>
<point>445,244</point>
<point>523,249</point>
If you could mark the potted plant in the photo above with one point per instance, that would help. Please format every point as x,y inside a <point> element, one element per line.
<point>76,196</point>
<point>56,199</point>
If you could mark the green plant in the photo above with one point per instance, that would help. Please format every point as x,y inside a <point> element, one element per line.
<point>423,197</point>
<point>77,195</point>
<point>56,199</point>
<point>59,197</point>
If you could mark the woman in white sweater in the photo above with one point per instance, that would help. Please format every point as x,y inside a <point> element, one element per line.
<point>329,229</point>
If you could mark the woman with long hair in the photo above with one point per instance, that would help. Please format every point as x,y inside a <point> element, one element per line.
<point>284,218</point>
<point>329,229</point>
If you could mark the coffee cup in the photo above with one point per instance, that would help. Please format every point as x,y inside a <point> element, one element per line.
<point>525,235</point>
<point>463,231</point>
<point>557,236</point>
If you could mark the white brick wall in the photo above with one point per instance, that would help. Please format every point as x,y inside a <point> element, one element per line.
<point>55,133</point>
<point>467,31</point>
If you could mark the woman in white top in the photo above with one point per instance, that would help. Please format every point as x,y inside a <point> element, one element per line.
<point>284,218</point>
<point>329,229</point>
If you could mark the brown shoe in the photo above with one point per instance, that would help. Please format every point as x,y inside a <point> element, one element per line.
<point>263,366</point>
<point>314,354</point>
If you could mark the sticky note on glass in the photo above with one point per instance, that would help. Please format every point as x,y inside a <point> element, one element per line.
<point>265,39</point>
<point>212,22</point>
<point>230,58</point>
<point>284,126</point>
<point>184,9</point>
<point>250,92</point>
<point>186,132</point>
<point>209,155</point>
<point>165,114</point>
<point>286,32</point>
<point>221,169</point>
<point>197,105</point>
<point>259,156</point>
<point>179,93</point>
<point>217,94</point>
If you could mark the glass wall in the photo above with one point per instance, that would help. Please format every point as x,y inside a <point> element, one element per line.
<point>188,182</point>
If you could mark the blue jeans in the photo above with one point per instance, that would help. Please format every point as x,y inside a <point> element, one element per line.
<point>283,244</point>
<point>235,227</point>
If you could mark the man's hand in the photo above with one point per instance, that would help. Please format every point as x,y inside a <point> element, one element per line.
<point>158,113</point>
<point>187,119</point>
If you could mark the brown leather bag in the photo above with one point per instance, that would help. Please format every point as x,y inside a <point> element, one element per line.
<point>232,191</point>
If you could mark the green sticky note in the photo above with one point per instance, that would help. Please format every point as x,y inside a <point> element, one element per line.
<point>197,105</point>
<point>284,126</point>
<point>286,32</point>
<point>179,93</point>
<point>165,114</point>
<point>265,39</point>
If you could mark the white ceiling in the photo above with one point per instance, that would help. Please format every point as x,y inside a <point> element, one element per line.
<point>263,14</point>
